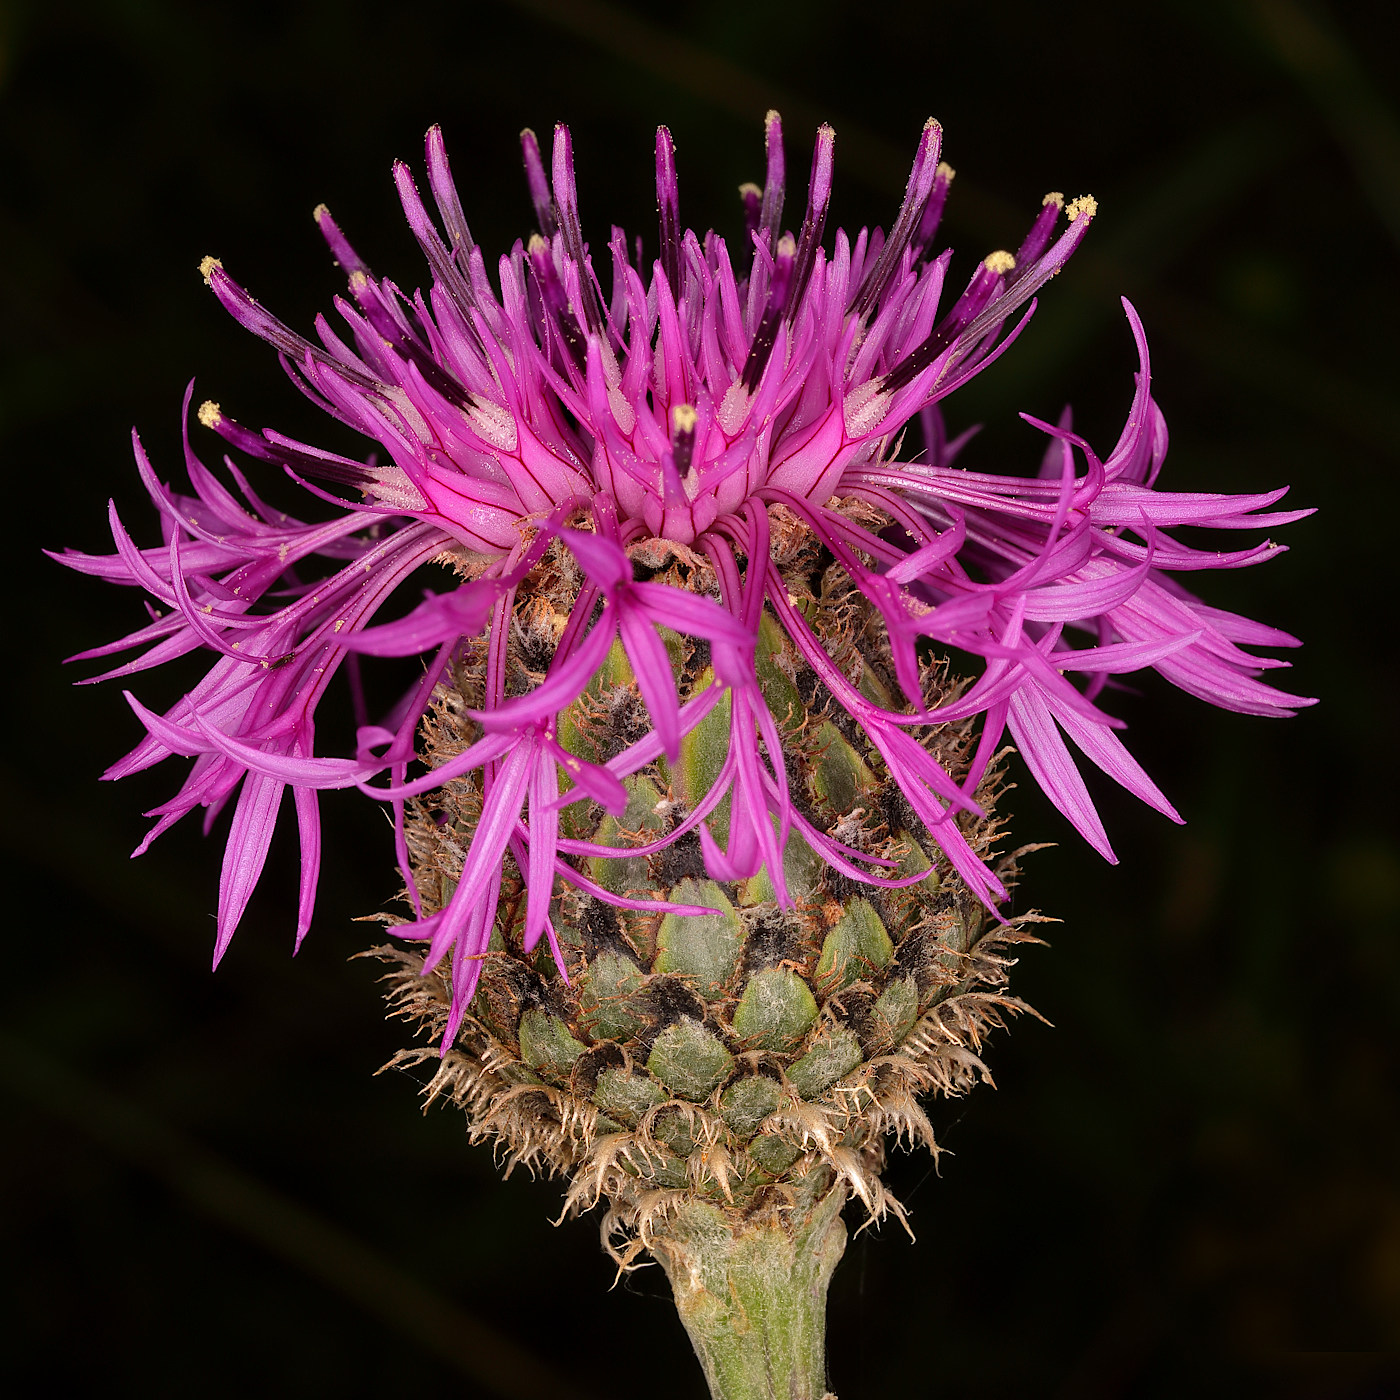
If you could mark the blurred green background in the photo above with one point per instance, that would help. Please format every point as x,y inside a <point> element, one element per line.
<point>1191,1185</point>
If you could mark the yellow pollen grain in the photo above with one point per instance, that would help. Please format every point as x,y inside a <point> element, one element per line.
<point>1000,262</point>
<point>207,264</point>
<point>209,414</point>
<point>749,190</point>
<point>944,172</point>
<point>1055,197</point>
<point>1085,204</point>
<point>683,418</point>
<point>319,212</point>
<point>358,280</point>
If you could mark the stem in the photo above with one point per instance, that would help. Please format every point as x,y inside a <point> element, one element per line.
<point>752,1295</point>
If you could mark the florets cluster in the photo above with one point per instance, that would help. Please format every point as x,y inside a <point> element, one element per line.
<point>675,416</point>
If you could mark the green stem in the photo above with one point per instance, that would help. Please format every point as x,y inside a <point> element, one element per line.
<point>752,1295</point>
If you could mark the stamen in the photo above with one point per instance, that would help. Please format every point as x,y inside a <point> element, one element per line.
<point>916,194</point>
<point>538,181</point>
<point>778,300</point>
<point>668,209</point>
<point>933,209</point>
<point>306,460</point>
<point>1033,245</point>
<point>367,296</point>
<point>986,305</point>
<point>980,291</point>
<point>339,245</point>
<point>555,300</point>
<point>770,216</point>
<point>683,420</point>
<point>566,203</point>
<point>818,201</point>
<point>752,198</point>
<point>445,193</point>
<point>445,263</point>
<point>253,317</point>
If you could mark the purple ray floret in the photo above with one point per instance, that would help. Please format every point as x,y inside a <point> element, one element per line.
<point>525,408</point>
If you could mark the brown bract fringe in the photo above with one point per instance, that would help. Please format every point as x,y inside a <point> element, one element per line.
<point>841,1136</point>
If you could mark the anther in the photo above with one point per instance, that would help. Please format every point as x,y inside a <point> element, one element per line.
<point>683,420</point>
<point>752,198</point>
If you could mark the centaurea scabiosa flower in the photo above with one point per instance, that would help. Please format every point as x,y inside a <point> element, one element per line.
<point>696,829</point>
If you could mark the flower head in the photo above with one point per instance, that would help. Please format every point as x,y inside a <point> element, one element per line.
<point>702,397</point>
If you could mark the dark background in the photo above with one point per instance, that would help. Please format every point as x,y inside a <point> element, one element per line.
<point>1192,1183</point>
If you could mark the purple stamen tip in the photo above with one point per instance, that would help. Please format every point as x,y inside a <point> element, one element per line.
<point>668,208</point>
<point>538,181</point>
<point>774,186</point>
